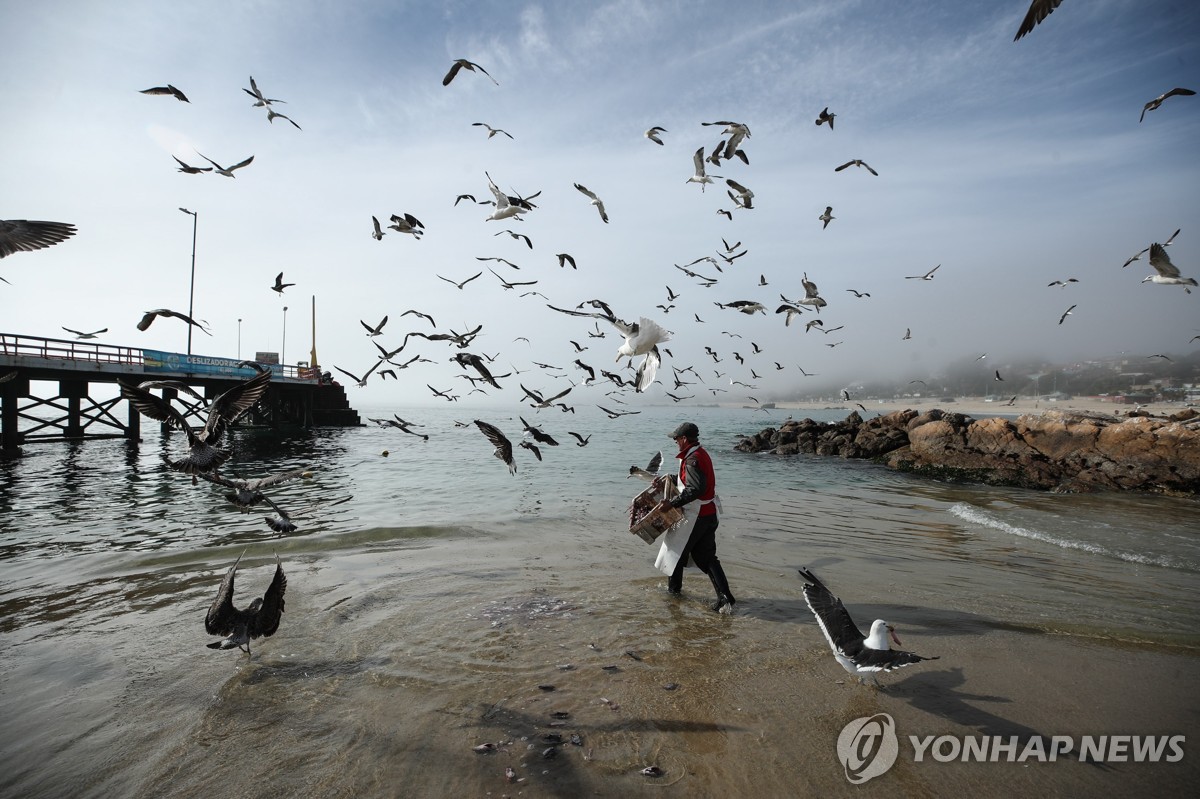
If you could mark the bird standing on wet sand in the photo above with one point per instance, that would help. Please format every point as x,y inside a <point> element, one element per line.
<point>23,235</point>
<point>858,654</point>
<point>259,620</point>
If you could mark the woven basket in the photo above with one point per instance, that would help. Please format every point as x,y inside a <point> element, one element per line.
<point>645,520</point>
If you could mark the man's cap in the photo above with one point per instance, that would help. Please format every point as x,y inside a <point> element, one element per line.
<point>686,429</point>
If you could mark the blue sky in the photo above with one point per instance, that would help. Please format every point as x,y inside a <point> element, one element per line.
<point>1011,164</point>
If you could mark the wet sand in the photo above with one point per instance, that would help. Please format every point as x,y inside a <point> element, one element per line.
<point>386,692</point>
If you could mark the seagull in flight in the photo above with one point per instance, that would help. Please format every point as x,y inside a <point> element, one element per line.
<point>650,473</point>
<point>465,282</point>
<point>505,208</point>
<point>272,115</point>
<point>149,316</point>
<point>1168,273</point>
<point>226,171</point>
<point>378,233</point>
<point>1062,283</point>
<point>700,177</point>
<point>259,620</point>
<point>825,117</point>
<point>191,170</point>
<point>653,134</point>
<point>82,335</point>
<point>361,382</point>
<point>564,259</point>
<point>856,162</point>
<point>1066,313</point>
<point>23,235</point>
<point>374,331</point>
<point>259,99</point>
<point>491,131</point>
<point>279,284</point>
<point>167,90</point>
<point>1038,11</point>
<point>744,198</point>
<point>596,201</point>
<point>407,224</point>
<point>927,276</point>
<point>504,450</point>
<point>470,66</point>
<point>203,455</point>
<point>518,236</point>
<point>827,217</point>
<point>1157,101</point>
<point>858,654</point>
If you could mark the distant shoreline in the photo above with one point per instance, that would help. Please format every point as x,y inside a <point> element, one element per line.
<point>977,407</point>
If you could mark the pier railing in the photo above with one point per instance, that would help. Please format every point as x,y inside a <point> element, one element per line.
<point>84,355</point>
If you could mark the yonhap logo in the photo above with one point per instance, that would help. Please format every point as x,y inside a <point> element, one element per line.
<point>868,747</point>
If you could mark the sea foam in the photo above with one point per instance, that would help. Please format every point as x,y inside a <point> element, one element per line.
<point>982,518</point>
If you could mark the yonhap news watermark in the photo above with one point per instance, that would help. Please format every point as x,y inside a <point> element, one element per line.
<point>869,746</point>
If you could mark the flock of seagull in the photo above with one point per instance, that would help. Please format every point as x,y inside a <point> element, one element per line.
<point>645,339</point>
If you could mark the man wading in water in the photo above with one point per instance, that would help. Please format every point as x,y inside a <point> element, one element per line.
<point>698,484</point>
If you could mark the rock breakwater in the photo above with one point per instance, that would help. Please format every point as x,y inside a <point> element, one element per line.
<point>1053,450</point>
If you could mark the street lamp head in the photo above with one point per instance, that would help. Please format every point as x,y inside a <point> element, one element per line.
<point>186,211</point>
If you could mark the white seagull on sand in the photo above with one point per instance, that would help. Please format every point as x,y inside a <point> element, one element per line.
<point>859,655</point>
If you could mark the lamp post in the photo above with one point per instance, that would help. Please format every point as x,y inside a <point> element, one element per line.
<point>283,346</point>
<point>192,288</point>
<point>239,338</point>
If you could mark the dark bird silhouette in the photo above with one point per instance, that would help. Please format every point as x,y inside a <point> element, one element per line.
<point>1066,313</point>
<point>203,455</point>
<point>581,441</point>
<point>23,235</point>
<point>149,316</point>
<point>538,435</point>
<point>259,620</point>
<point>1157,101</point>
<point>167,90</point>
<point>1038,11</point>
<point>825,118</point>
<point>856,162</point>
<point>280,285</point>
<point>504,450</point>
<point>462,63</point>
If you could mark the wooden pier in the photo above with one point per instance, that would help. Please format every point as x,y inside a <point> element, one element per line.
<point>63,390</point>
